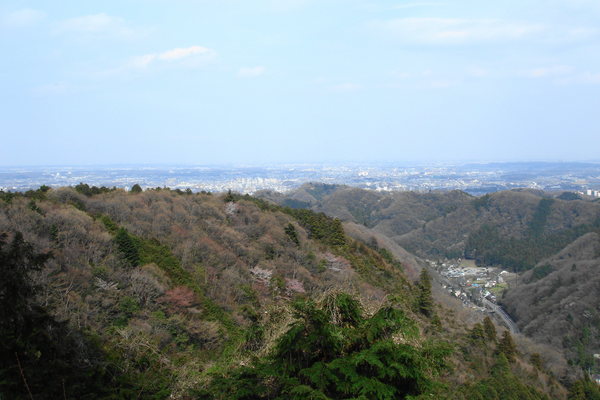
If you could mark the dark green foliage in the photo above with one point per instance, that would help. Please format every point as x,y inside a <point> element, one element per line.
<point>16,289</point>
<point>34,207</point>
<point>109,224</point>
<point>540,272</point>
<point>53,233</point>
<point>569,196</point>
<point>389,257</point>
<point>507,347</point>
<point>489,329</point>
<point>128,246</point>
<point>39,357</point>
<point>136,189</point>
<point>38,194</point>
<point>90,191</point>
<point>320,227</point>
<point>290,231</point>
<point>482,202</point>
<point>229,197</point>
<point>333,352</point>
<point>537,223</point>
<point>584,389</point>
<point>7,197</point>
<point>313,338</point>
<point>536,360</point>
<point>477,333</point>
<point>320,190</point>
<point>502,385</point>
<point>424,300</point>
<point>293,203</point>
<point>489,247</point>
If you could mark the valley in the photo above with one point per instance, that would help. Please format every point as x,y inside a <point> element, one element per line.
<point>477,287</point>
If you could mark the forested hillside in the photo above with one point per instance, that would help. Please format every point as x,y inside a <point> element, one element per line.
<point>551,240</point>
<point>558,301</point>
<point>166,294</point>
<point>513,229</point>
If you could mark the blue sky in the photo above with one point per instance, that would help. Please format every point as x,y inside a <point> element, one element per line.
<point>260,81</point>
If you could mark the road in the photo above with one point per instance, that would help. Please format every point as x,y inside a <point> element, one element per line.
<point>502,314</point>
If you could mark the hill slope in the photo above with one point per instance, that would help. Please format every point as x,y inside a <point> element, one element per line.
<point>163,294</point>
<point>558,302</point>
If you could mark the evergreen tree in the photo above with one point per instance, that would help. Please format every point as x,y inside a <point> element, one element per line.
<point>40,358</point>
<point>490,329</point>
<point>128,247</point>
<point>478,333</point>
<point>229,197</point>
<point>507,347</point>
<point>577,391</point>
<point>290,230</point>
<point>136,189</point>
<point>424,299</point>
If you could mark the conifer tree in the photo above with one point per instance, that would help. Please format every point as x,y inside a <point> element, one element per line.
<point>290,230</point>
<point>424,299</point>
<point>507,346</point>
<point>577,391</point>
<point>127,247</point>
<point>478,333</point>
<point>490,329</point>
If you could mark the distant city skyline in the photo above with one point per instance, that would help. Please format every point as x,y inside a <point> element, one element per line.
<point>276,82</point>
<point>472,178</point>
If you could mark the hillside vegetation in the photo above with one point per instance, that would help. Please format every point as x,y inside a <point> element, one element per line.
<point>551,241</point>
<point>557,302</point>
<point>166,294</point>
<point>512,229</point>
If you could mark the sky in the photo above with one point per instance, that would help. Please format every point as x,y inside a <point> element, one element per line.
<point>298,81</point>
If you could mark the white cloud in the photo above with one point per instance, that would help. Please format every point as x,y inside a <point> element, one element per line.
<point>454,30</point>
<point>251,72</point>
<point>98,24</point>
<point>188,56</point>
<point>23,18</point>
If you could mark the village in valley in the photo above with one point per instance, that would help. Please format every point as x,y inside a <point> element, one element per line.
<point>477,287</point>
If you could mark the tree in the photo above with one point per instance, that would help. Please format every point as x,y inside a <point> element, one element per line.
<point>40,358</point>
<point>507,346</point>
<point>136,189</point>
<point>290,231</point>
<point>229,197</point>
<point>424,299</point>
<point>477,333</point>
<point>489,329</point>
<point>128,247</point>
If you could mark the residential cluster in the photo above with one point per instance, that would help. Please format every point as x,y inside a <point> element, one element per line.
<point>470,283</point>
